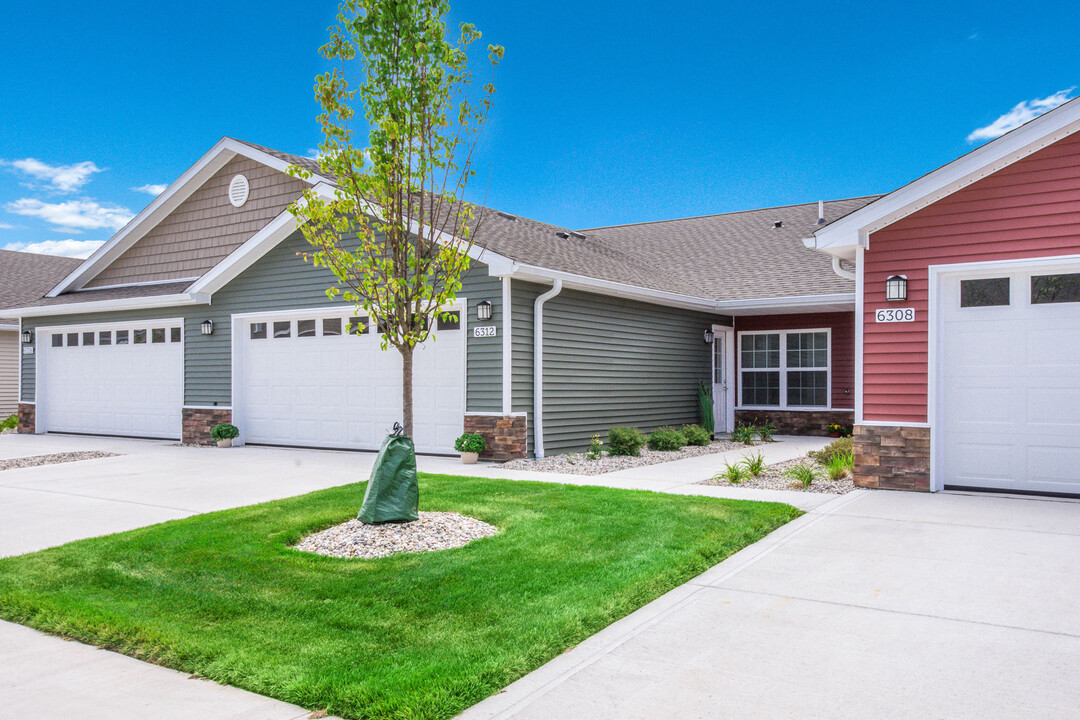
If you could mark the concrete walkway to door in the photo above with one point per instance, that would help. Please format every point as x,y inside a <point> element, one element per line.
<point>875,605</point>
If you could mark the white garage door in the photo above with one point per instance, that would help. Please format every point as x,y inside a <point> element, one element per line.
<point>310,380</point>
<point>1010,380</point>
<point>112,379</point>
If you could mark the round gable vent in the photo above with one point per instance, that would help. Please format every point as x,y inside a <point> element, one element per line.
<point>238,191</point>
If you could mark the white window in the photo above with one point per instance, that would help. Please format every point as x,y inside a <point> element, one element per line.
<point>784,369</point>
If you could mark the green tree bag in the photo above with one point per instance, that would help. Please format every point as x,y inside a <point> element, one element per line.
<point>392,494</point>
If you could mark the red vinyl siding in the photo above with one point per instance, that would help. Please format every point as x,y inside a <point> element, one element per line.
<point>1029,209</point>
<point>842,352</point>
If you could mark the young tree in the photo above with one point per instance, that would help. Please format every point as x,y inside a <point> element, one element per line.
<point>396,232</point>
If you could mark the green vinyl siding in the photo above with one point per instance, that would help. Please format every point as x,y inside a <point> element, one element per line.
<point>281,280</point>
<point>610,362</point>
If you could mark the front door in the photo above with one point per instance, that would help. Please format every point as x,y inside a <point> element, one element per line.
<point>720,372</point>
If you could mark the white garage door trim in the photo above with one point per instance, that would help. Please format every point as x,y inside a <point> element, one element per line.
<point>43,347</point>
<point>240,322</point>
<point>935,384</point>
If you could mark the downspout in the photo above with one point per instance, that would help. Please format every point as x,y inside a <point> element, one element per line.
<point>846,274</point>
<point>538,367</point>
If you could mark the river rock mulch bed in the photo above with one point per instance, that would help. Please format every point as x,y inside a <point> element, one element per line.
<point>773,478</point>
<point>52,459</point>
<point>432,531</point>
<point>578,464</point>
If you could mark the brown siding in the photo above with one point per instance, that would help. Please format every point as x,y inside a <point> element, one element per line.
<point>205,228</point>
<point>1029,209</point>
<point>842,352</point>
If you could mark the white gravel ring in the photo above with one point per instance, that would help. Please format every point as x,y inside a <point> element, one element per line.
<point>432,531</point>
<point>52,459</point>
<point>579,464</point>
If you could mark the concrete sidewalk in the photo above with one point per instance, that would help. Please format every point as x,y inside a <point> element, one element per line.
<point>875,605</point>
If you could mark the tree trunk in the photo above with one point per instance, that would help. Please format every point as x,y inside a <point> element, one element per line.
<point>406,389</point>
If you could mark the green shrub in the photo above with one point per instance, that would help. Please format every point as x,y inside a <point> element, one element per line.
<point>696,435</point>
<point>754,464</point>
<point>824,456</point>
<point>744,433</point>
<point>666,438</point>
<point>224,431</point>
<point>734,474</point>
<point>470,443</point>
<point>804,474</point>
<point>625,441</point>
<point>839,465</point>
<point>10,423</point>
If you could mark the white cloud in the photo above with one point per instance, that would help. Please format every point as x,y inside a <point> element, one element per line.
<point>73,215</point>
<point>154,190</point>
<point>62,178</point>
<point>67,248</point>
<point>5,226</point>
<point>1022,113</point>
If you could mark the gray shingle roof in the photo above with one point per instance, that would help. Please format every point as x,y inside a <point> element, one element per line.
<point>306,163</point>
<point>113,293</point>
<point>25,277</point>
<point>731,256</point>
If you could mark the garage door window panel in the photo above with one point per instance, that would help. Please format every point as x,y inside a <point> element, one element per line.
<point>157,335</point>
<point>331,327</point>
<point>176,334</point>
<point>88,338</point>
<point>139,337</point>
<point>73,339</point>
<point>258,331</point>
<point>282,329</point>
<point>105,337</point>
<point>121,337</point>
<point>57,340</point>
<point>449,321</point>
<point>1048,289</point>
<point>305,328</point>
<point>984,292</point>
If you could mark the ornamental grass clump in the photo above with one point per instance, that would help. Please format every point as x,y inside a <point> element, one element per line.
<point>754,464</point>
<point>625,441</point>
<point>839,465</point>
<point>804,474</point>
<point>824,456</point>
<point>734,474</point>
<point>666,439</point>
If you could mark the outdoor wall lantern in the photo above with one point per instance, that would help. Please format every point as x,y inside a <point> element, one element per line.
<point>709,336</point>
<point>207,327</point>
<point>483,310</point>
<point>896,287</point>
<point>27,337</point>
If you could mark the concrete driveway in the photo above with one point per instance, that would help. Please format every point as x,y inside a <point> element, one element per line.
<point>876,605</point>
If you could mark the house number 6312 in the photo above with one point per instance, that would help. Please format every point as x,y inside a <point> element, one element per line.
<point>895,315</point>
<point>484,331</point>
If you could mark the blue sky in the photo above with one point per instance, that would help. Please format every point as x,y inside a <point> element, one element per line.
<point>607,112</point>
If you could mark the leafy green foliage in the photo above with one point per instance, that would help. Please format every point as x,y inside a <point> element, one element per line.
<point>395,232</point>
<point>765,429</point>
<point>838,429</point>
<point>744,433</point>
<point>843,446</point>
<point>734,474</point>
<point>705,407</point>
<point>10,423</point>
<point>470,443</point>
<point>754,464</point>
<point>696,435</point>
<point>625,441</point>
<point>839,465</point>
<point>419,635</point>
<point>667,439</point>
<point>224,431</point>
<point>596,448</point>
<point>804,474</point>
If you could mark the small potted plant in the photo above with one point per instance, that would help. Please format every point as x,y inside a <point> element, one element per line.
<point>223,434</point>
<point>835,430</point>
<point>470,445</point>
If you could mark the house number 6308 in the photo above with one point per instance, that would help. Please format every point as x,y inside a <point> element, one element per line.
<point>895,315</point>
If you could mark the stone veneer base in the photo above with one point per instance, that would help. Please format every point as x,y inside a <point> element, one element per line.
<point>506,435</point>
<point>197,423</point>
<point>798,422</point>
<point>27,418</point>
<point>892,457</point>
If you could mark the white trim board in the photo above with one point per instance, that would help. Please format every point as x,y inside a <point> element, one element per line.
<point>841,237</point>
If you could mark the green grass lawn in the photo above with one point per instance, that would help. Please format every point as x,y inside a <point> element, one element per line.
<point>424,635</point>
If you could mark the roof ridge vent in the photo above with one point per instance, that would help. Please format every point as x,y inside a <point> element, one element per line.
<point>579,236</point>
<point>507,215</point>
<point>562,234</point>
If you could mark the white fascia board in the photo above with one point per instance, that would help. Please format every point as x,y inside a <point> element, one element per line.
<point>854,230</point>
<point>164,204</point>
<point>154,301</point>
<point>9,327</point>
